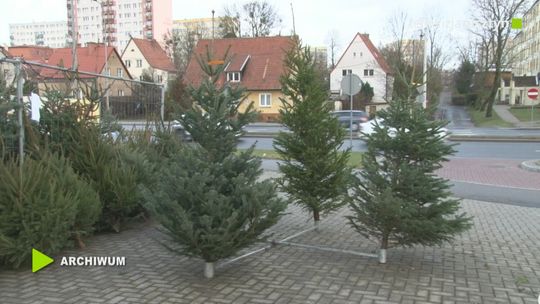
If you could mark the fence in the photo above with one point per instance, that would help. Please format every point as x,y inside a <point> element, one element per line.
<point>24,85</point>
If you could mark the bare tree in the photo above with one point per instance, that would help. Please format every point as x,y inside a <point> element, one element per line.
<point>402,56</point>
<point>492,20</point>
<point>181,44</point>
<point>332,40</point>
<point>229,25</point>
<point>259,16</point>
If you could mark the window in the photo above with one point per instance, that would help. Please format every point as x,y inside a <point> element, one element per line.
<point>128,63</point>
<point>233,76</point>
<point>265,100</point>
<point>368,72</point>
<point>119,72</point>
<point>108,72</point>
<point>139,63</point>
<point>346,72</point>
<point>160,78</point>
<point>120,92</point>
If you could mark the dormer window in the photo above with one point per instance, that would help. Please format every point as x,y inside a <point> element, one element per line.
<point>233,76</point>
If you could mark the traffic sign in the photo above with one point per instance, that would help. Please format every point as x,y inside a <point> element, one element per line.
<point>532,93</point>
<point>350,84</point>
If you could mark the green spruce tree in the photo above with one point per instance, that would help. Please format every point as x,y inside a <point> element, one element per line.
<point>315,171</point>
<point>398,199</point>
<point>210,200</point>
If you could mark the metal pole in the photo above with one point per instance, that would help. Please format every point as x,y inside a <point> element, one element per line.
<point>20,84</point>
<point>162,112</point>
<point>424,72</point>
<point>351,106</point>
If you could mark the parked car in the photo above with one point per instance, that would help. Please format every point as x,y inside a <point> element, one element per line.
<point>368,128</point>
<point>178,129</point>
<point>358,117</point>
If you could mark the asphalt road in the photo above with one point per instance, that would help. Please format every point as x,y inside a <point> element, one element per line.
<point>488,193</point>
<point>503,150</point>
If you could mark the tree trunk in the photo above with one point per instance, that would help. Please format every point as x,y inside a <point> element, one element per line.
<point>208,270</point>
<point>79,241</point>
<point>316,219</point>
<point>382,250</point>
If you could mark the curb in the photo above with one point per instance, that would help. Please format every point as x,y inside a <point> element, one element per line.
<point>530,165</point>
<point>495,138</point>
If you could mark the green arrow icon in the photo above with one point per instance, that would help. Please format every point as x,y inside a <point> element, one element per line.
<point>39,260</point>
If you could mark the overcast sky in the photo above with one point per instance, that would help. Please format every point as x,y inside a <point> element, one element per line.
<point>314,19</point>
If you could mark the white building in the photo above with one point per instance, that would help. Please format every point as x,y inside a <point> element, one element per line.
<point>525,46</point>
<point>118,20</point>
<point>52,34</point>
<point>363,59</point>
<point>146,56</point>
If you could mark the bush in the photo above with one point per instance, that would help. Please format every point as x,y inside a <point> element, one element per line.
<point>43,208</point>
<point>112,176</point>
<point>66,128</point>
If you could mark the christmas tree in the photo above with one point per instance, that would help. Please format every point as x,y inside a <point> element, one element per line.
<point>315,172</point>
<point>210,200</point>
<point>398,199</point>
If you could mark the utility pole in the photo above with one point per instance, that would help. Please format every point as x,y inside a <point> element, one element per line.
<point>104,17</point>
<point>74,34</point>
<point>293,23</point>
<point>424,70</point>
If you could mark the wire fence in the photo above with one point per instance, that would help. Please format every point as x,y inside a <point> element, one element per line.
<point>27,88</point>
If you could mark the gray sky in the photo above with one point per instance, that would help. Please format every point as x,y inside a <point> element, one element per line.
<point>314,19</point>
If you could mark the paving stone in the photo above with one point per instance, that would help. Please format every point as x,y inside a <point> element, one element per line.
<point>494,262</point>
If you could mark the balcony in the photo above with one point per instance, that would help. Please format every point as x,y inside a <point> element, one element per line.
<point>149,18</point>
<point>110,30</point>
<point>148,9</point>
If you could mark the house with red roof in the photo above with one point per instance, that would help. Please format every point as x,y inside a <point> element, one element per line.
<point>253,63</point>
<point>363,59</point>
<point>90,59</point>
<point>147,56</point>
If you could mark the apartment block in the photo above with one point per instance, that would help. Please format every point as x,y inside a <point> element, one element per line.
<point>525,47</point>
<point>201,27</point>
<point>52,34</point>
<point>117,21</point>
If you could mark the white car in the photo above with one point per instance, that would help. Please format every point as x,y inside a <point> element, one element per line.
<point>368,128</point>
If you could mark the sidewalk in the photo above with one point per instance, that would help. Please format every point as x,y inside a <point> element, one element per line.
<point>504,114</point>
<point>494,262</point>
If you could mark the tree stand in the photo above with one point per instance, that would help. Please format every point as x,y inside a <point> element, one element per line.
<point>208,270</point>
<point>382,256</point>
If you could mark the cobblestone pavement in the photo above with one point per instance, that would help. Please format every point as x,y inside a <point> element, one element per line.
<point>497,172</point>
<point>497,261</point>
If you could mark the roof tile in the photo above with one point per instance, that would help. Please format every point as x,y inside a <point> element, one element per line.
<point>263,69</point>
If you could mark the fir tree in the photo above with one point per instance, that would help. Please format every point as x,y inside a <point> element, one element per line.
<point>398,199</point>
<point>209,200</point>
<point>315,172</point>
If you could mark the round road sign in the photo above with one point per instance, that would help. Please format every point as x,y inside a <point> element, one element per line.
<point>532,93</point>
<point>350,84</point>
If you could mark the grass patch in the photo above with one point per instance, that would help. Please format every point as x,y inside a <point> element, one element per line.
<point>480,120</point>
<point>355,160</point>
<point>524,114</point>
